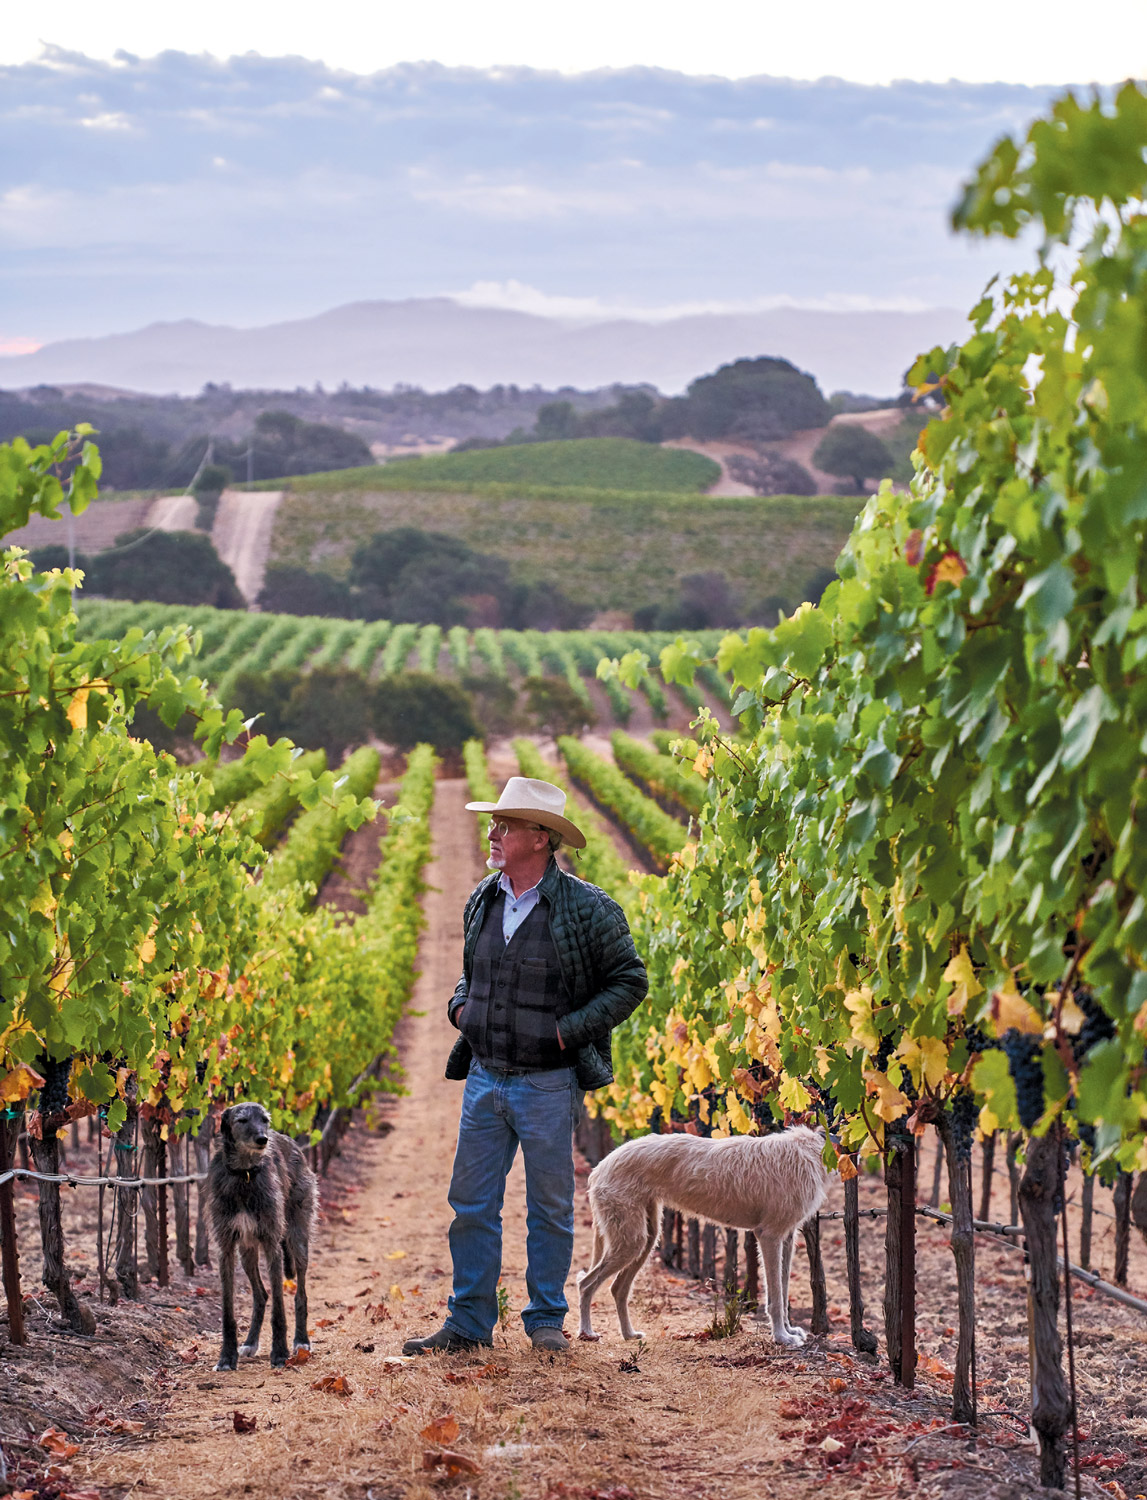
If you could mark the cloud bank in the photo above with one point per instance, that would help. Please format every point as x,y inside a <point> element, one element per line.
<point>262,188</point>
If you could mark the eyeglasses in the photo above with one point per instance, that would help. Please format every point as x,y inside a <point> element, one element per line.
<point>500,827</point>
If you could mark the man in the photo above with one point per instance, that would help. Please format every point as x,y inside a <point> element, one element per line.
<point>549,969</point>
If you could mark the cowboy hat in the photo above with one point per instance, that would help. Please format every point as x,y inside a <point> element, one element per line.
<point>534,802</point>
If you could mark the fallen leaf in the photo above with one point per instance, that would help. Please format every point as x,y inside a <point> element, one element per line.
<point>442,1430</point>
<point>242,1423</point>
<point>289,1286</point>
<point>453,1463</point>
<point>299,1357</point>
<point>393,1363</point>
<point>56,1443</point>
<point>830,1445</point>
<point>189,1355</point>
<point>337,1385</point>
<point>325,1323</point>
<point>396,1293</point>
<point>201,1291</point>
<point>395,1255</point>
<point>837,1384</point>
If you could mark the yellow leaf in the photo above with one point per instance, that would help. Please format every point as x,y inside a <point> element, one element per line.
<point>396,1293</point>
<point>739,1118</point>
<point>965,986</point>
<point>989,1122</point>
<point>395,1255</point>
<point>890,1102</point>
<point>1071,1018</point>
<point>729,928</point>
<point>794,1096</point>
<point>1011,1011</point>
<point>859,1005</point>
<point>43,901</point>
<point>18,1084</point>
<point>78,709</point>
<point>926,1058</point>
<point>847,1168</point>
<point>146,951</point>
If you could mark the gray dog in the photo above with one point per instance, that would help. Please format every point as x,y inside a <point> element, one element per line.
<point>261,1195</point>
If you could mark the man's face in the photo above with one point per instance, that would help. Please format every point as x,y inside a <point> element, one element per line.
<point>512,841</point>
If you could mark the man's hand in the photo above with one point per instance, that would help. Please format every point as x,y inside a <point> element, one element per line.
<point>558,1029</point>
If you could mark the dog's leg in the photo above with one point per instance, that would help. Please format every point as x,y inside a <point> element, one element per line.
<point>772,1257</point>
<point>249,1255</point>
<point>302,1337</point>
<point>624,1281</point>
<point>586,1288</point>
<point>229,1354</point>
<point>786,1273</point>
<point>278,1310</point>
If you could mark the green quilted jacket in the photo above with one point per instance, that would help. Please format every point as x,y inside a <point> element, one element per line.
<point>600,968</point>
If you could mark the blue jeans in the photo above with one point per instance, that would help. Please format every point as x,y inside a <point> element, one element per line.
<point>499,1112</point>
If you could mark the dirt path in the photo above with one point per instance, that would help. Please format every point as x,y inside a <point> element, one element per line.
<point>676,1417</point>
<point>242,535</point>
<point>173,513</point>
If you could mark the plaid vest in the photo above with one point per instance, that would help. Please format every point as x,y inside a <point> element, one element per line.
<point>516,995</point>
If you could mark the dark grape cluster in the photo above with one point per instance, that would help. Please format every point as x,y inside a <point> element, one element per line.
<point>54,1093</point>
<point>1097,1025</point>
<point>201,1070</point>
<point>1025,1064</point>
<point>1087,1134</point>
<point>963,1112</point>
<point>978,1039</point>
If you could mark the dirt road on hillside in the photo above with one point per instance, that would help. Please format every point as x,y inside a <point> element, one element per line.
<point>242,535</point>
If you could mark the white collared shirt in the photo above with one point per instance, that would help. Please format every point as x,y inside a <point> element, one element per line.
<point>515,909</point>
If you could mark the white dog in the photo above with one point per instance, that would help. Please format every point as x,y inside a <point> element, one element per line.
<point>770,1184</point>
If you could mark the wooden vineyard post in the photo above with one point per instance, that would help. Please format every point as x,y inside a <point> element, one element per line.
<point>1121,1202</point>
<point>127,1206</point>
<point>148,1197</point>
<point>752,1270</point>
<point>10,1124</point>
<point>1139,1205</point>
<point>900,1256</point>
<point>963,1240</point>
<point>679,1242</point>
<point>1013,1177</point>
<point>202,1161</point>
<point>1051,1404</point>
<point>988,1162</point>
<point>731,1277</point>
<point>709,1253</point>
<point>46,1156</point>
<point>1086,1211</point>
<point>667,1244</point>
<point>810,1229</point>
<point>178,1156</point>
<point>693,1239</point>
<point>162,1272</point>
<point>937,1172</point>
<point>908,1267</point>
<point>862,1338</point>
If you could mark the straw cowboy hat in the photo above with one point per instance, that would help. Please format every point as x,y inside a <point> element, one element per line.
<point>534,802</point>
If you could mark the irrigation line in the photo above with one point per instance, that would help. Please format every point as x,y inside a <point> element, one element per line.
<point>116,1182</point>
<point>1013,1232</point>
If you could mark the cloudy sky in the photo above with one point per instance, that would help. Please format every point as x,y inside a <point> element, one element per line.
<point>680,170</point>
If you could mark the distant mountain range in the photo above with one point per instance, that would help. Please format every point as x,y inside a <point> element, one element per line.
<point>437,343</point>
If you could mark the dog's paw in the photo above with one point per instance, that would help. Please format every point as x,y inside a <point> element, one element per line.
<point>633,1335</point>
<point>278,1359</point>
<point>248,1351</point>
<point>589,1337</point>
<point>793,1340</point>
<point>227,1364</point>
<point>299,1344</point>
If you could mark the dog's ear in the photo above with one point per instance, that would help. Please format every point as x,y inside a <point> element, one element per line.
<point>225,1125</point>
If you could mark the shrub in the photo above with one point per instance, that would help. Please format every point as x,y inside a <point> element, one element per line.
<point>328,709</point>
<point>772,474</point>
<point>854,452</point>
<point>423,576</point>
<point>757,399</point>
<point>297,591</point>
<point>171,567</point>
<point>556,708</point>
<point>412,708</point>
